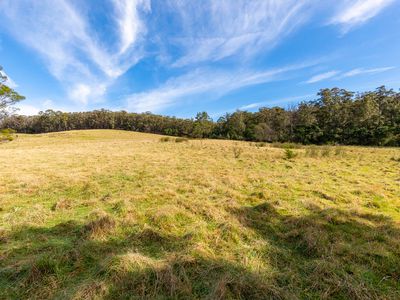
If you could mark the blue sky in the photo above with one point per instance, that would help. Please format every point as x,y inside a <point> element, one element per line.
<point>178,57</point>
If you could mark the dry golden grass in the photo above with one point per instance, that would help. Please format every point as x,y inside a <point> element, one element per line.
<point>112,214</point>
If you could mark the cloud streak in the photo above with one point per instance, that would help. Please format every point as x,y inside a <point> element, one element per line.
<point>213,31</point>
<point>193,85</point>
<point>362,71</point>
<point>322,76</point>
<point>236,27</point>
<point>129,23</point>
<point>356,12</point>
<point>336,75</point>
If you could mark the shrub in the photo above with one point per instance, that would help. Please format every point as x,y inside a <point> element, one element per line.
<point>165,139</point>
<point>289,154</point>
<point>120,208</point>
<point>181,140</point>
<point>6,135</point>
<point>100,225</point>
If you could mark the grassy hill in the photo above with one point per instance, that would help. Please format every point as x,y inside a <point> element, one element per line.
<point>117,215</point>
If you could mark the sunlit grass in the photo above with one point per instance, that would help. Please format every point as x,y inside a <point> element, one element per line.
<point>114,214</point>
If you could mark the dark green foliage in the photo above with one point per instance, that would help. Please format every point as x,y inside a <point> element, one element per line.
<point>263,132</point>
<point>203,126</point>
<point>336,117</point>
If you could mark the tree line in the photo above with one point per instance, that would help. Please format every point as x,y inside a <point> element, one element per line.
<point>336,116</point>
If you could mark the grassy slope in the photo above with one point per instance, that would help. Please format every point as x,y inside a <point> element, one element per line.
<point>111,214</point>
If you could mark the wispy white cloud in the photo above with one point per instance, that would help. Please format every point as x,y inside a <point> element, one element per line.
<point>355,12</point>
<point>64,38</point>
<point>129,24</point>
<point>213,30</point>
<point>252,105</point>
<point>322,76</point>
<point>362,71</point>
<point>196,84</point>
<point>337,75</point>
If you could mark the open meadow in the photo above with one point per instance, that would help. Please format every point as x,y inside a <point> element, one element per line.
<point>107,214</point>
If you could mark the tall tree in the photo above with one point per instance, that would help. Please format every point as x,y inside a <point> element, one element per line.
<point>203,125</point>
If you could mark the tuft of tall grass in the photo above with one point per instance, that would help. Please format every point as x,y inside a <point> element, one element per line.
<point>237,151</point>
<point>324,151</point>
<point>100,225</point>
<point>286,145</point>
<point>289,154</point>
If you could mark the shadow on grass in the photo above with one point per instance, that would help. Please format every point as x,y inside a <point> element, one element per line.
<point>329,253</point>
<point>65,262</point>
<point>44,262</point>
<point>323,254</point>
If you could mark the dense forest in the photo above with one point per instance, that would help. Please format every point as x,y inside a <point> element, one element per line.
<point>337,116</point>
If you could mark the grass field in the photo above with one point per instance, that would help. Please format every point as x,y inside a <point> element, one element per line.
<point>105,214</point>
